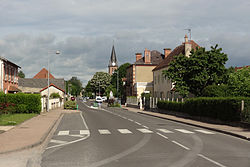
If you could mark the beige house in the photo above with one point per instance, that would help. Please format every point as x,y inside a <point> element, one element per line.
<point>139,75</point>
<point>163,87</point>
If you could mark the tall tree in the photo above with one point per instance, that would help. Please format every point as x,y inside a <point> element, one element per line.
<point>192,74</point>
<point>100,80</point>
<point>74,85</point>
<point>21,74</point>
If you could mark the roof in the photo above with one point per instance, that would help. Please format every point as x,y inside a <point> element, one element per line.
<point>53,86</point>
<point>113,60</point>
<point>4,59</point>
<point>43,74</point>
<point>40,83</point>
<point>14,89</point>
<point>177,51</point>
<point>237,68</point>
<point>156,58</point>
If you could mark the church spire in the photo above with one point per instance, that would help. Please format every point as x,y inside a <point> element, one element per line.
<point>113,65</point>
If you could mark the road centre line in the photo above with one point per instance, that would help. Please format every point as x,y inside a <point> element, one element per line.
<point>216,163</point>
<point>137,123</point>
<point>145,127</point>
<point>162,135</point>
<point>175,142</point>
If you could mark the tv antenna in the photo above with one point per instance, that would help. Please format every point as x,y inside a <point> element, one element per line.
<point>189,31</point>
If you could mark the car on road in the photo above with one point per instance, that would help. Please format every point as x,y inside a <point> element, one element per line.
<point>98,99</point>
<point>104,98</point>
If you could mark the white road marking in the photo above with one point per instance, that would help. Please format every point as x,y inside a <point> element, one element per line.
<point>124,131</point>
<point>145,131</point>
<point>137,123</point>
<point>162,135</point>
<point>145,126</point>
<point>175,142</point>
<point>130,120</point>
<point>84,132</point>
<point>216,163</point>
<point>63,133</point>
<point>58,141</point>
<point>204,131</point>
<point>184,131</point>
<point>165,131</point>
<point>76,135</point>
<point>104,131</point>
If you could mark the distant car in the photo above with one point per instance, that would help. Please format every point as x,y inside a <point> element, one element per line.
<point>98,99</point>
<point>72,98</point>
<point>104,98</point>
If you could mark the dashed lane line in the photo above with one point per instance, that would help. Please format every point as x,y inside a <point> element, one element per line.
<point>124,131</point>
<point>63,133</point>
<point>175,142</point>
<point>184,131</point>
<point>104,132</point>
<point>216,163</point>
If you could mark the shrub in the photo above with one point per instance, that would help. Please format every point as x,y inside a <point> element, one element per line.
<point>222,108</point>
<point>54,95</point>
<point>71,105</point>
<point>216,91</point>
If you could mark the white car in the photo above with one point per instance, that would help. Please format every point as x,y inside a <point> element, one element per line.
<point>98,99</point>
<point>104,98</point>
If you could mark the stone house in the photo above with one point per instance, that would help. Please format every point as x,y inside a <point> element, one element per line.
<point>163,87</point>
<point>139,77</point>
<point>8,76</point>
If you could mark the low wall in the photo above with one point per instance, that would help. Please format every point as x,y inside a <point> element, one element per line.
<point>53,103</point>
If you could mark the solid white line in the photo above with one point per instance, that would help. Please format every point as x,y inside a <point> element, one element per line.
<point>184,131</point>
<point>76,135</point>
<point>181,145</point>
<point>145,126</point>
<point>130,120</point>
<point>124,131</point>
<point>216,163</point>
<point>165,131</point>
<point>145,131</point>
<point>162,135</point>
<point>63,133</point>
<point>84,122</point>
<point>104,131</point>
<point>84,132</point>
<point>204,131</point>
<point>58,141</point>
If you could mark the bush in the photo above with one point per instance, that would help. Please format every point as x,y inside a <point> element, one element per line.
<point>216,91</point>
<point>222,108</point>
<point>54,95</point>
<point>70,105</point>
<point>31,101</point>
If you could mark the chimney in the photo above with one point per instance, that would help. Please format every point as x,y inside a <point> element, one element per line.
<point>188,46</point>
<point>138,56</point>
<point>167,51</point>
<point>147,56</point>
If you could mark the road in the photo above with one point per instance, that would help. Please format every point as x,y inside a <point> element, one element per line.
<point>119,138</point>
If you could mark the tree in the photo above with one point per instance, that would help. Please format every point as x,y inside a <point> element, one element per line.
<point>192,74</point>
<point>100,79</point>
<point>74,85</point>
<point>21,74</point>
<point>239,82</point>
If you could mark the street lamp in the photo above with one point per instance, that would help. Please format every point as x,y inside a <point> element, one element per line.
<point>50,52</point>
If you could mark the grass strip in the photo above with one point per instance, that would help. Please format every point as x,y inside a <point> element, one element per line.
<point>15,119</point>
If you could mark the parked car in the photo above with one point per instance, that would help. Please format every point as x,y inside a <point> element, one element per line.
<point>72,98</point>
<point>98,99</point>
<point>104,98</point>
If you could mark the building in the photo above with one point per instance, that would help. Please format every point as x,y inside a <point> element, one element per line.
<point>43,74</point>
<point>8,76</point>
<point>163,87</point>
<point>113,65</point>
<point>139,77</point>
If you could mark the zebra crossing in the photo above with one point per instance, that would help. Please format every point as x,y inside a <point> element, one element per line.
<point>127,131</point>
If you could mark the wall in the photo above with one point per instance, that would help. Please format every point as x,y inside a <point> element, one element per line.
<point>53,103</point>
<point>52,89</point>
<point>29,89</point>
<point>1,75</point>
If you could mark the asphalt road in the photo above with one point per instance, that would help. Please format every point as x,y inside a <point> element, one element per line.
<point>119,138</point>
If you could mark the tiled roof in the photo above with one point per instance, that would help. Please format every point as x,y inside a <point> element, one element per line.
<point>43,74</point>
<point>156,58</point>
<point>50,86</point>
<point>177,51</point>
<point>40,83</point>
<point>237,68</point>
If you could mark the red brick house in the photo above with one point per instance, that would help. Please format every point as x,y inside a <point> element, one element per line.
<point>8,76</point>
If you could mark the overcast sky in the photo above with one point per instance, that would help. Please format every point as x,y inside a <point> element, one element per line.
<point>84,31</point>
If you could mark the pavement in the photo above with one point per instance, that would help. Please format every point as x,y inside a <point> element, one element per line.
<point>30,133</point>
<point>33,132</point>
<point>236,131</point>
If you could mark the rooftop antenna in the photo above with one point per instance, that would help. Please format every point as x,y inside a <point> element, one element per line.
<point>189,31</point>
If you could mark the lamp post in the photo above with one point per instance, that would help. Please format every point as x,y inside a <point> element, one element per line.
<point>50,52</point>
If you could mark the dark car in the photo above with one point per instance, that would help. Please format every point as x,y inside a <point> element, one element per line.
<point>73,98</point>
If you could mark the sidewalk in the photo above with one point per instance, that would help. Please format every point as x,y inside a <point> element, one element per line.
<point>226,129</point>
<point>31,132</point>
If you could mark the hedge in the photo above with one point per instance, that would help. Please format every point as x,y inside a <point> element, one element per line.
<point>70,105</point>
<point>20,103</point>
<point>222,108</point>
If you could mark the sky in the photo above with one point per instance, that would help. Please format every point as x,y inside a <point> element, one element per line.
<point>85,30</point>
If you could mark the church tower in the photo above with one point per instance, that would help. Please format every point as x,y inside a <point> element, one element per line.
<point>113,65</point>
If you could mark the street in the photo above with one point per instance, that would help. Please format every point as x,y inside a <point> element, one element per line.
<point>113,137</point>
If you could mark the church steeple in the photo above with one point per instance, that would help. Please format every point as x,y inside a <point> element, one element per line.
<point>113,65</point>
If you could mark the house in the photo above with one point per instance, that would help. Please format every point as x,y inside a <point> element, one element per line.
<point>139,77</point>
<point>8,76</point>
<point>43,74</point>
<point>163,87</point>
<point>113,64</point>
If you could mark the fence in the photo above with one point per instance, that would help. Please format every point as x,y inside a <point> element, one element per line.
<point>53,103</point>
